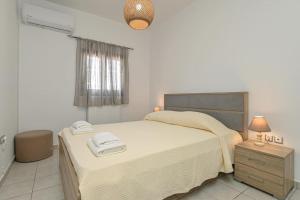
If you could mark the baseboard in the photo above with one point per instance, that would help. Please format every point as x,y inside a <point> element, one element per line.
<point>297,184</point>
<point>6,170</point>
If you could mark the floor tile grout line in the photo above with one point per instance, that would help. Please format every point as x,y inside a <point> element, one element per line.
<point>292,192</point>
<point>48,187</point>
<point>33,183</point>
<point>18,182</point>
<point>232,187</point>
<point>240,193</point>
<point>34,180</point>
<point>16,196</point>
<point>243,193</point>
<point>47,176</point>
<point>228,186</point>
<point>39,177</point>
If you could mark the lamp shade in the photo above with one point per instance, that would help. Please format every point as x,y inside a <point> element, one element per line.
<point>157,109</point>
<point>139,14</point>
<point>259,124</point>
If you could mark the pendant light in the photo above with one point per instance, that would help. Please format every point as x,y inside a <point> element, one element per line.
<point>139,13</point>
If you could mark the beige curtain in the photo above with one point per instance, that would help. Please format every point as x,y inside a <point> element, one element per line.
<point>102,76</point>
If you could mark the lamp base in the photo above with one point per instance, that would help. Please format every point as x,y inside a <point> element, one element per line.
<point>260,144</point>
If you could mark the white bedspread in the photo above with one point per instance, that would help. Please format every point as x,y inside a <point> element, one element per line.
<point>161,160</point>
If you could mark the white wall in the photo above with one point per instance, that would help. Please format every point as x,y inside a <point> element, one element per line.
<point>210,46</point>
<point>234,45</point>
<point>8,79</point>
<point>47,73</point>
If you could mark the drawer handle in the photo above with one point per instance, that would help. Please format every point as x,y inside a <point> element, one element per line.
<point>257,161</point>
<point>256,179</point>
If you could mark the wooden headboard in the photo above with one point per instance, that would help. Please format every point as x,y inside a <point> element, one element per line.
<point>230,108</point>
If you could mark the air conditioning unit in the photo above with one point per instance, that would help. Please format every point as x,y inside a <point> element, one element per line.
<point>47,18</point>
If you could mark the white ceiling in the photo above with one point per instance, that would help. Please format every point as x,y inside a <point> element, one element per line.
<point>113,9</point>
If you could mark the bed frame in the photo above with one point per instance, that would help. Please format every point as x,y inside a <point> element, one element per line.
<point>229,108</point>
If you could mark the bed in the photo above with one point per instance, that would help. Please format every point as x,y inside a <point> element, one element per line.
<point>162,159</point>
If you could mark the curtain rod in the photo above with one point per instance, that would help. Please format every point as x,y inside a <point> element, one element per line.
<point>76,37</point>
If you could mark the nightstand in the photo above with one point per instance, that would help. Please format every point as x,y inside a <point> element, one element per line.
<point>269,168</point>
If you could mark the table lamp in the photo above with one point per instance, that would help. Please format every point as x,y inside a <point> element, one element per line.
<point>260,125</point>
<point>156,109</point>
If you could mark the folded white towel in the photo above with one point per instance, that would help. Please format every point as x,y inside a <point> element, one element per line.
<point>105,149</point>
<point>104,138</point>
<point>81,127</point>
<point>82,130</point>
<point>81,124</point>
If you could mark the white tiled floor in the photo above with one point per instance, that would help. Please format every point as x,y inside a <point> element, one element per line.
<point>41,181</point>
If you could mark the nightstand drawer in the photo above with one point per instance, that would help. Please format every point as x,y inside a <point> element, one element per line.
<point>262,180</point>
<point>262,162</point>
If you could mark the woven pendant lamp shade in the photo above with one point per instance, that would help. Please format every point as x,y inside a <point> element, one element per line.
<point>139,13</point>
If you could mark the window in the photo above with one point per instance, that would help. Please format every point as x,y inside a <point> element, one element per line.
<point>102,76</point>
<point>112,74</point>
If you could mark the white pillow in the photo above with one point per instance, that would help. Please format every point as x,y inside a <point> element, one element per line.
<point>186,119</point>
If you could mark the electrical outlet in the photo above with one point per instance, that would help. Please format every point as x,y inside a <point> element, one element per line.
<point>3,139</point>
<point>269,138</point>
<point>278,139</point>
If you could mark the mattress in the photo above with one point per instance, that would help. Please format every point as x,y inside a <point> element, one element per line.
<point>161,160</point>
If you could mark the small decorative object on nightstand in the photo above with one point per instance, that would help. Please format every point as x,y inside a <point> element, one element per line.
<point>269,168</point>
<point>156,109</point>
<point>259,124</point>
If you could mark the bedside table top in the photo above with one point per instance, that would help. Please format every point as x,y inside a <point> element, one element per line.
<point>269,149</point>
